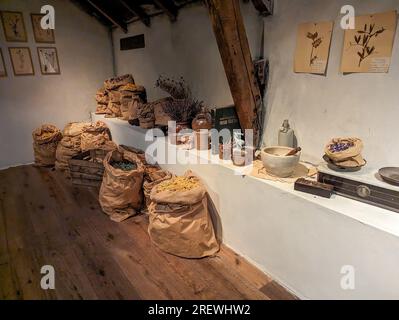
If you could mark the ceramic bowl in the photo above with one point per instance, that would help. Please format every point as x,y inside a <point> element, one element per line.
<point>277,164</point>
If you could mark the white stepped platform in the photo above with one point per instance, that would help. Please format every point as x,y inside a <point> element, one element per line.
<point>302,241</point>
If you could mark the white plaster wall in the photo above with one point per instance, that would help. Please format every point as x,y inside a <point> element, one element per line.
<point>85,55</point>
<point>363,105</point>
<point>185,48</point>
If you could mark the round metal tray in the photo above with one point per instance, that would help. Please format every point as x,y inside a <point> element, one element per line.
<point>390,174</point>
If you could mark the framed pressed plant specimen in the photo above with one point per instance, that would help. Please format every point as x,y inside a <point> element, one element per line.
<point>313,47</point>
<point>368,48</point>
<point>21,60</point>
<point>3,70</point>
<point>41,35</point>
<point>48,58</point>
<point>14,26</point>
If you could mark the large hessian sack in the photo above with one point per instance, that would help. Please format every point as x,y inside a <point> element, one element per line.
<point>70,145</point>
<point>120,193</point>
<point>45,141</point>
<point>180,223</point>
<point>95,136</point>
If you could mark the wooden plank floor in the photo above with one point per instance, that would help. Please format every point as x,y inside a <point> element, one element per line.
<point>45,220</point>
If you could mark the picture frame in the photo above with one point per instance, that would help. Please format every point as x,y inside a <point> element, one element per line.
<point>3,69</point>
<point>21,60</point>
<point>14,26</point>
<point>41,35</point>
<point>48,60</point>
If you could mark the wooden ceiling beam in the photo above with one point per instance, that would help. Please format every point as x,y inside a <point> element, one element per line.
<point>265,7</point>
<point>169,7</point>
<point>115,20</point>
<point>137,10</point>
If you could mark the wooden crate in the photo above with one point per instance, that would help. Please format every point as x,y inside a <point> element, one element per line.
<point>84,172</point>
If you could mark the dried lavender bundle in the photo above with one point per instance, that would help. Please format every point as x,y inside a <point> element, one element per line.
<point>178,89</point>
<point>182,110</point>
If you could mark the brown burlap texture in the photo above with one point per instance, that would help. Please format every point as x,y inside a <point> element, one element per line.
<point>95,136</point>
<point>70,145</point>
<point>115,83</point>
<point>45,141</point>
<point>350,157</point>
<point>180,223</point>
<point>120,193</point>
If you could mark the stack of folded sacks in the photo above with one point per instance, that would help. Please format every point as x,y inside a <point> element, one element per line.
<point>345,152</point>
<point>95,136</point>
<point>112,85</point>
<point>102,100</point>
<point>146,115</point>
<point>131,95</point>
<point>70,144</point>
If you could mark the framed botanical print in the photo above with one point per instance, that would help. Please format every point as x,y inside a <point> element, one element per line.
<point>3,70</point>
<point>21,61</point>
<point>41,35</point>
<point>14,26</point>
<point>48,59</point>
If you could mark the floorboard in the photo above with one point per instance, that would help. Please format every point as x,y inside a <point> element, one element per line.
<point>45,220</point>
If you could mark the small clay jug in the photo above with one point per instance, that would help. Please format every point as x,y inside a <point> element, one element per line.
<point>203,120</point>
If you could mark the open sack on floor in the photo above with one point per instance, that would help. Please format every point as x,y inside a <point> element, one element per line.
<point>121,189</point>
<point>179,220</point>
<point>45,141</point>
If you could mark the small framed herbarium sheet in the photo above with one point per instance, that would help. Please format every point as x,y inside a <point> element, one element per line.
<point>3,70</point>
<point>368,47</point>
<point>14,26</point>
<point>41,35</point>
<point>21,60</point>
<point>48,58</point>
<point>313,47</point>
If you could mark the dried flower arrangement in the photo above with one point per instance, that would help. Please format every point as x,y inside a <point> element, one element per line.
<point>363,40</point>
<point>316,42</point>
<point>178,89</point>
<point>182,110</point>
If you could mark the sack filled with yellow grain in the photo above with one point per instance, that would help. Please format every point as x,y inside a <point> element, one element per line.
<point>180,223</point>
<point>70,144</point>
<point>153,176</point>
<point>121,189</point>
<point>94,136</point>
<point>45,141</point>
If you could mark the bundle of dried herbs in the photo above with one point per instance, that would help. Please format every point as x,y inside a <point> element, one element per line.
<point>124,165</point>
<point>182,110</point>
<point>178,89</point>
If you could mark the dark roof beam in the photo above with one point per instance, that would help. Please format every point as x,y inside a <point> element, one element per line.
<point>265,7</point>
<point>115,20</point>
<point>169,7</point>
<point>137,10</point>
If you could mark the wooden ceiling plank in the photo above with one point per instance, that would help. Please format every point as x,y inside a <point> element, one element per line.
<point>138,11</point>
<point>115,20</point>
<point>169,7</point>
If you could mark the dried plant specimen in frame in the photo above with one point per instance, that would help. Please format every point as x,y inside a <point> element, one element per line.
<point>368,48</point>
<point>313,47</point>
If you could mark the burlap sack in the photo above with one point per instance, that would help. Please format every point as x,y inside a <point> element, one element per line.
<point>153,176</point>
<point>115,83</point>
<point>95,136</point>
<point>120,193</point>
<point>113,110</point>
<point>161,118</point>
<point>129,108</point>
<point>101,108</point>
<point>180,223</point>
<point>115,96</point>
<point>349,157</point>
<point>70,145</point>
<point>45,141</point>
<point>102,96</point>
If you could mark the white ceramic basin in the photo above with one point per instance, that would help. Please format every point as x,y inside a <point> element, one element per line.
<point>277,164</point>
